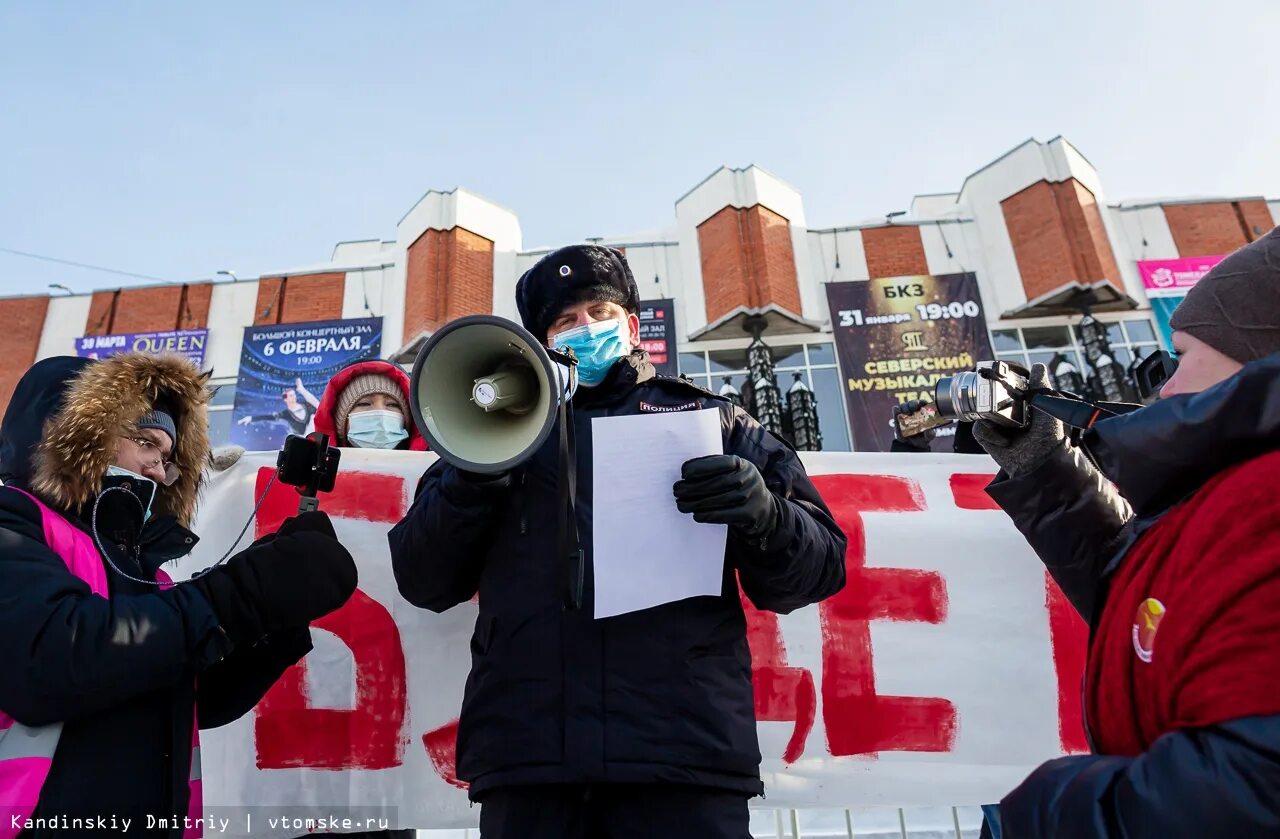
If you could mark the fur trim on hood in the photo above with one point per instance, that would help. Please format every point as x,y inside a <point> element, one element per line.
<point>105,400</point>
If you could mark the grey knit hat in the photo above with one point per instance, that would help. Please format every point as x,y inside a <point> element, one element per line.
<point>1235,308</point>
<point>358,388</point>
<point>161,416</point>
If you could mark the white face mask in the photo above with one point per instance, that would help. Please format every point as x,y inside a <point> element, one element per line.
<point>121,472</point>
<point>376,429</point>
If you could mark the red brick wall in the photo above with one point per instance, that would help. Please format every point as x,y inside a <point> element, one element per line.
<point>313,297</point>
<point>747,260</point>
<point>1257,218</point>
<point>1217,227</point>
<point>1058,237</point>
<point>773,259</point>
<point>102,310</point>
<point>448,274</point>
<point>1204,229</point>
<point>1040,243</point>
<point>1088,235</point>
<point>270,301</point>
<point>147,309</point>
<point>422,287</point>
<point>894,251</point>
<point>724,266</point>
<point>194,311</point>
<point>150,309</point>
<point>23,319</point>
<point>299,299</point>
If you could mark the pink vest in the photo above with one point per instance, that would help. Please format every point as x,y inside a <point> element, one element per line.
<point>26,752</point>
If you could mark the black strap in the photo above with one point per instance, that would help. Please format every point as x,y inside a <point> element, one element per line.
<point>569,547</point>
<point>1075,412</point>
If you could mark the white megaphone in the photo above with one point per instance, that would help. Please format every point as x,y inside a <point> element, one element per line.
<point>485,393</point>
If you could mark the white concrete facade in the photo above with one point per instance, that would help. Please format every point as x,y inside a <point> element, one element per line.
<point>959,231</point>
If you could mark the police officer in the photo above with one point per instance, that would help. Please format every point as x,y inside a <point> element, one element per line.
<point>640,724</point>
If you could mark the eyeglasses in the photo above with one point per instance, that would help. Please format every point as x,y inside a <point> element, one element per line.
<point>152,452</point>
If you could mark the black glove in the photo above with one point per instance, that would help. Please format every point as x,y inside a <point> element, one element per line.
<point>315,521</point>
<point>466,488</point>
<point>1020,450</point>
<point>725,489</point>
<point>301,574</point>
<point>919,441</point>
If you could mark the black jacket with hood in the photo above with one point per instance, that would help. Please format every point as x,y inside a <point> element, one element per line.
<point>123,675</point>
<point>660,695</point>
<point>1221,780</point>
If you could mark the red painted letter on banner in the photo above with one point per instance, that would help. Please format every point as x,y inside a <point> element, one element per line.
<point>858,720</point>
<point>288,732</point>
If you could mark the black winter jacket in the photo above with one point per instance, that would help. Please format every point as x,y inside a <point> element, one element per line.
<point>124,675</point>
<point>660,695</point>
<point>1222,780</point>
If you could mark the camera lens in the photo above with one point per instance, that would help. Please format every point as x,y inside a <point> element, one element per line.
<point>942,397</point>
<point>955,396</point>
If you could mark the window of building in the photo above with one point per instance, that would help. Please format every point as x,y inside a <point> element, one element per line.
<point>816,364</point>
<point>1130,339</point>
<point>224,397</point>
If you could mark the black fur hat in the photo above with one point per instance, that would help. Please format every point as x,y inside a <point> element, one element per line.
<point>573,275</point>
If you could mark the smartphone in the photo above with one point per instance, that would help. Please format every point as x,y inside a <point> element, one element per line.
<point>909,425</point>
<point>310,465</point>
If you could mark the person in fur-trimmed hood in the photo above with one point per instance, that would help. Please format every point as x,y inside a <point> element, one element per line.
<point>108,670</point>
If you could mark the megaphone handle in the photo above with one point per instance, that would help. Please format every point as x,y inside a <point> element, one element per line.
<point>570,549</point>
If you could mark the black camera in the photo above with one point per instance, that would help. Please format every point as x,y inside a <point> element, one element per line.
<point>310,464</point>
<point>1152,372</point>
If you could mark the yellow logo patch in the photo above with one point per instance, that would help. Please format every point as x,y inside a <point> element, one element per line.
<point>1145,625</point>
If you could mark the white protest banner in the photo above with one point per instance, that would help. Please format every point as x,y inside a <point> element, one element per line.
<point>943,673</point>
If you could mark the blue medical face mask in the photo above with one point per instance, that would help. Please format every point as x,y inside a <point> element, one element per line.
<point>121,472</point>
<point>376,429</point>
<point>596,346</point>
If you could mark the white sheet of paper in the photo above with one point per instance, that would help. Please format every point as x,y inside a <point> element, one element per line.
<point>646,552</point>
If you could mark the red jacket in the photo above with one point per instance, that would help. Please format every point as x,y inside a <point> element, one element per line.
<point>1190,633</point>
<point>1174,559</point>
<point>329,401</point>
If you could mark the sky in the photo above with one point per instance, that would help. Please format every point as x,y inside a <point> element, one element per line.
<point>174,140</point>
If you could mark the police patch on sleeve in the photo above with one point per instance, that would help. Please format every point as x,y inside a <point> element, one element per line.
<point>650,408</point>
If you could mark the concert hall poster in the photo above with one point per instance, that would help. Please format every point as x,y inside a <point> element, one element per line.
<point>658,335</point>
<point>284,369</point>
<point>186,342</point>
<point>895,337</point>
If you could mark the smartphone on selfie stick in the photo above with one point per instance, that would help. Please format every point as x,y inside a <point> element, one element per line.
<point>310,465</point>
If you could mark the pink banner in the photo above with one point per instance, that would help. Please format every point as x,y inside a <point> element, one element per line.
<point>1162,277</point>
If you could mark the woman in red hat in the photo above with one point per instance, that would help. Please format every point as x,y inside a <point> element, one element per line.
<point>366,406</point>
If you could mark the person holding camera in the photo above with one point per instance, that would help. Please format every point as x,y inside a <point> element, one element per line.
<point>641,724</point>
<point>110,669</point>
<point>919,437</point>
<point>1163,530</point>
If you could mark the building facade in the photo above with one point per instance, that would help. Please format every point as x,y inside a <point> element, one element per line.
<point>1034,226</point>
